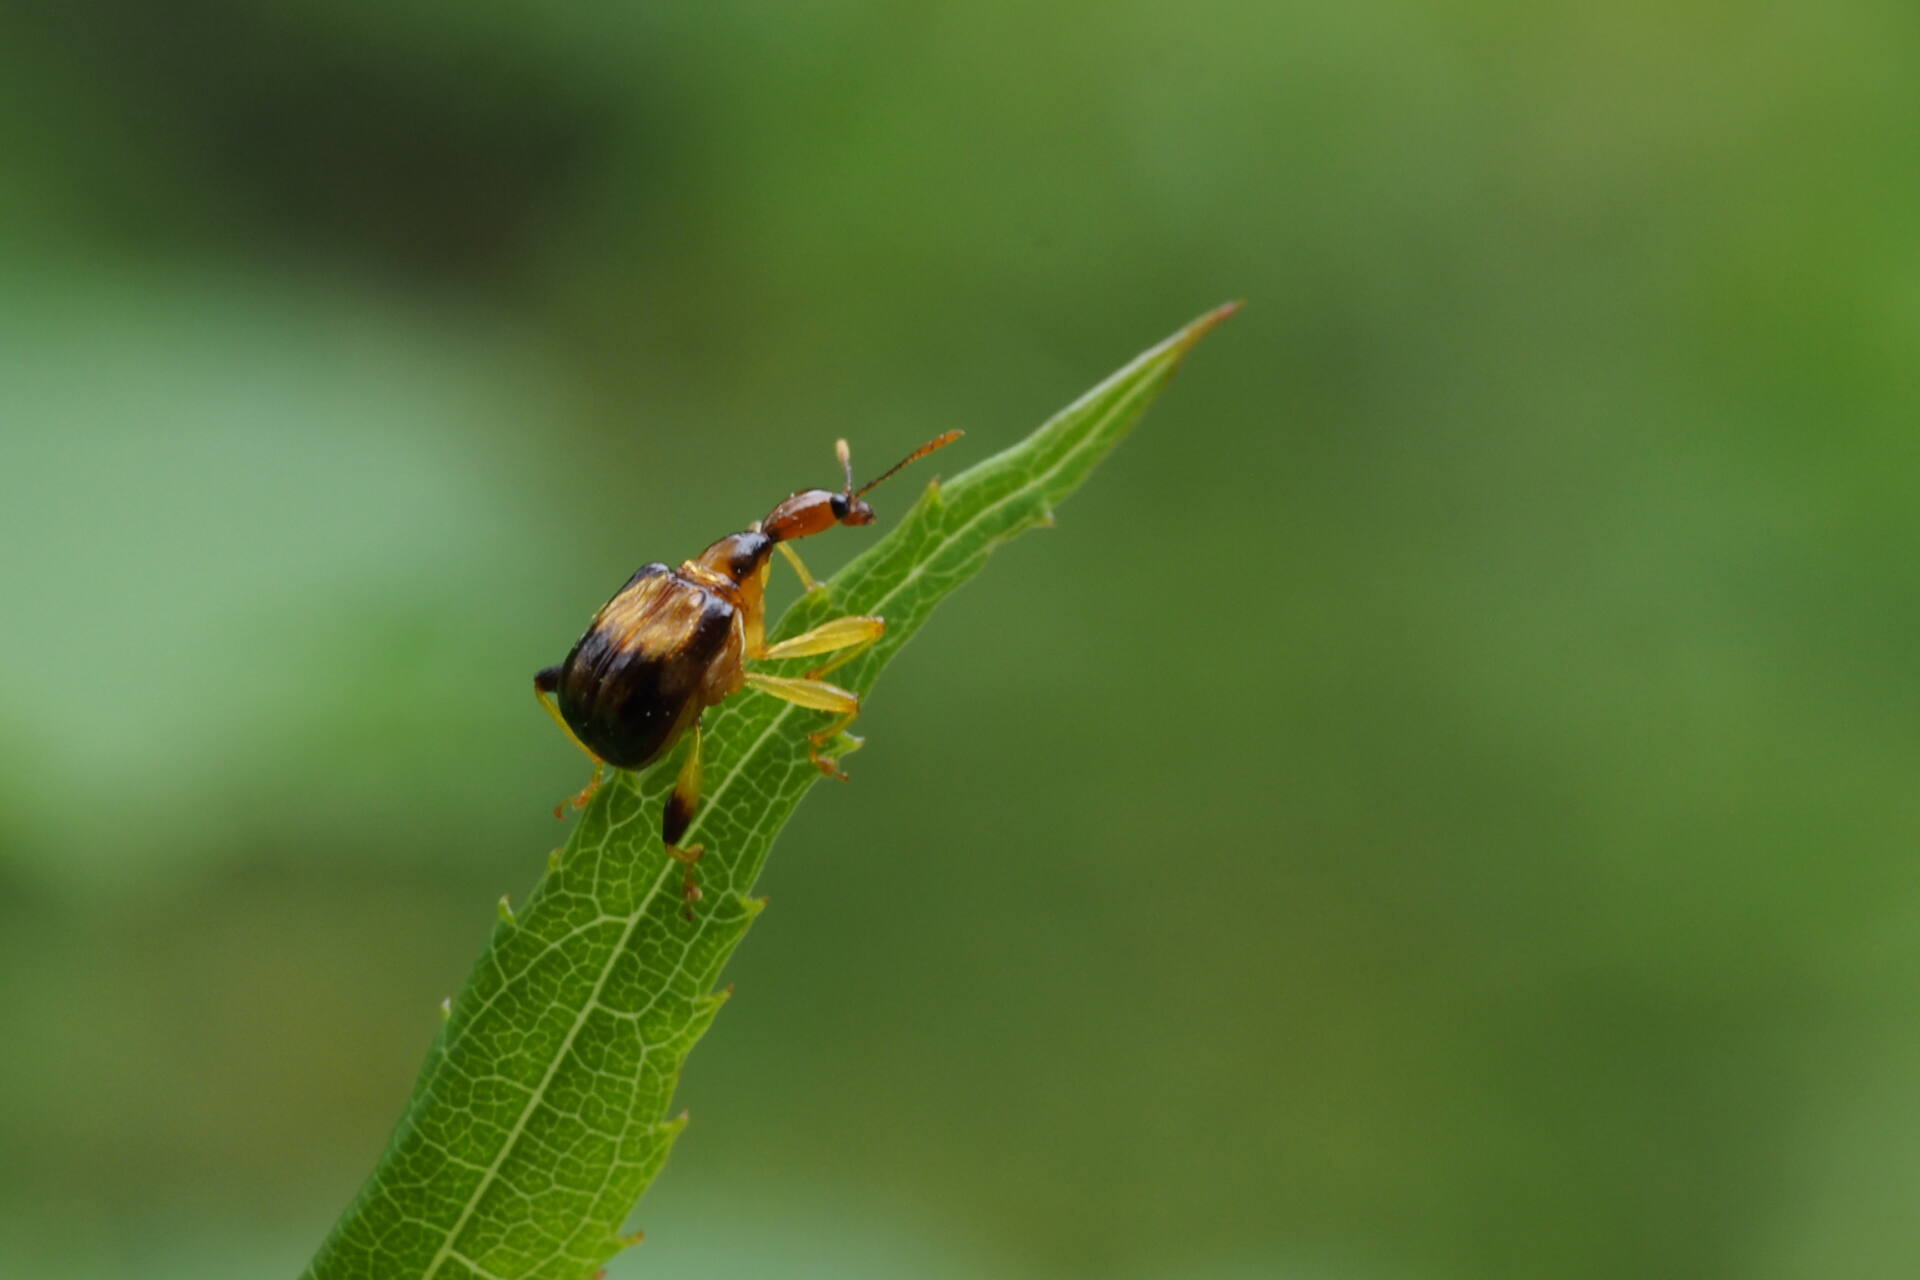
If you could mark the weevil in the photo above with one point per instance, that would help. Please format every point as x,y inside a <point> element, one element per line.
<point>673,642</point>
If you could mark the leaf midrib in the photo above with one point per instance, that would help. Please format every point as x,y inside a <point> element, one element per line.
<point>539,1093</point>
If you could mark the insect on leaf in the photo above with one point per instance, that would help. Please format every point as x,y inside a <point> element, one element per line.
<point>543,1109</point>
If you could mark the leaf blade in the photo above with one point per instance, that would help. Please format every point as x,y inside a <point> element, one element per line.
<point>540,1115</point>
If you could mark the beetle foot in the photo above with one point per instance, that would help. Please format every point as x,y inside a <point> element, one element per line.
<point>579,800</point>
<point>829,765</point>
<point>689,888</point>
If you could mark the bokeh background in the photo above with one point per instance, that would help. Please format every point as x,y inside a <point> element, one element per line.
<point>1441,804</point>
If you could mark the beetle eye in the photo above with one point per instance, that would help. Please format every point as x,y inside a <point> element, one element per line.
<point>839,504</point>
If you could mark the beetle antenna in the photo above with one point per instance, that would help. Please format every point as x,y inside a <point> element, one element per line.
<point>846,461</point>
<point>938,442</point>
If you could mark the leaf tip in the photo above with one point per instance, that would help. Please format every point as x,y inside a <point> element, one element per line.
<point>1188,337</point>
<point>446,1008</point>
<point>505,910</point>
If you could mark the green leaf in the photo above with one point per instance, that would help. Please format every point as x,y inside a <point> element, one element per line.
<point>542,1111</point>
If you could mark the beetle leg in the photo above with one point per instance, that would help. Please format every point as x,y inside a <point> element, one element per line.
<point>675,818</point>
<point>579,798</point>
<point>816,695</point>
<point>544,684</point>
<point>800,567</point>
<point>849,636</point>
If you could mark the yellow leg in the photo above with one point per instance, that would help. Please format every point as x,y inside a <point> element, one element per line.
<point>816,695</point>
<point>849,636</point>
<point>544,684</point>
<point>675,818</point>
<point>799,567</point>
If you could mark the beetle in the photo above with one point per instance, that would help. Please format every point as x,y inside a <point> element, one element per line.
<point>673,642</point>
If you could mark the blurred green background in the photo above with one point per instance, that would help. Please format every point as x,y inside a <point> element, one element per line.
<point>1441,803</point>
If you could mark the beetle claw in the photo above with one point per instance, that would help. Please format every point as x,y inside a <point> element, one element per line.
<point>586,793</point>
<point>828,765</point>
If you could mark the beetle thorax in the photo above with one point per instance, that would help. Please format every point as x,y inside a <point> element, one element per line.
<point>730,562</point>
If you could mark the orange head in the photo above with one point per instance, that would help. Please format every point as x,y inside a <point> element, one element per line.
<point>817,510</point>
